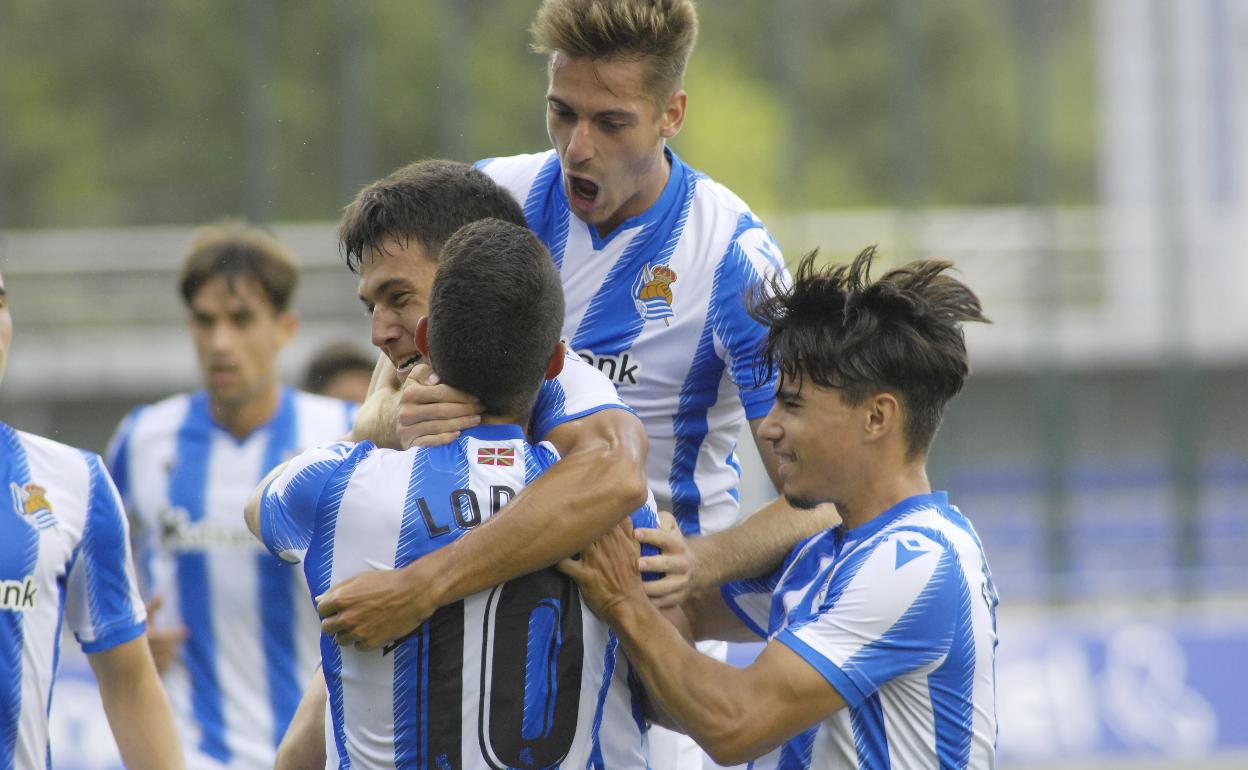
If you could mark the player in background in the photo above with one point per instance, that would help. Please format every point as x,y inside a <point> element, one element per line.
<point>518,675</point>
<point>340,370</point>
<point>881,631</point>
<point>235,641</point>
<point>65,557</point>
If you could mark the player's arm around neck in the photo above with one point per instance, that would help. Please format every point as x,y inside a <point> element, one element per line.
<point>137,708</point>
<point>598,481</point>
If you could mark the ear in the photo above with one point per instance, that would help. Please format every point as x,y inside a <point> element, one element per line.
<point>555,364</point>
<point>673,116</point>
<point>422,336</point>
<point>288,323</point>
<point>882,417</point>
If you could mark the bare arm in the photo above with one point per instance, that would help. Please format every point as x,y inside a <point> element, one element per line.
<point>303,745</point>
<point>759,543</point>
<point>734,714</point>
<point>136,706</point>
<point>598,482</point>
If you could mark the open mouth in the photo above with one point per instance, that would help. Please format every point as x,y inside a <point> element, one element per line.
<point>405,366</point>
<point>583,191</point>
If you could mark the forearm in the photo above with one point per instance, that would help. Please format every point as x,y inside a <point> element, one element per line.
<point>562,511</point>
<point>755,546</point>
<point>137,708</point>
<point>705,698</point>
<point>303,745</point>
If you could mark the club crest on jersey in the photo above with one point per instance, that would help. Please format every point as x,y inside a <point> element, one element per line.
<point>652,293</point>
<point>31,501</point>
<point>496,456</point>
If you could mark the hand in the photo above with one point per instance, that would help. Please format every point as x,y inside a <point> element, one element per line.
<point>373,608</point>
<point>433,414</point>
<point>165,643</point>
<point>674,560</point>
<point>607,572</point>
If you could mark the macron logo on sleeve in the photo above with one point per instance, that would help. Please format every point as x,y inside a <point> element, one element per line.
<point>909,548</point>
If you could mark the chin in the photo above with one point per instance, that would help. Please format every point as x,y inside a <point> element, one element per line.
<point>803,503</point>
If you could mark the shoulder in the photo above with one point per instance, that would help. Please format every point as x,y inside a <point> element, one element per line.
<point>719,218</point>
<point>45,455</point>
<point>153,421</point>
<point>516,171</point>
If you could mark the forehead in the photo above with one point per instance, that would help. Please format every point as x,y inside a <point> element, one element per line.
<point>598,84</point>
<point>231,292</point>
<point>398,259</point>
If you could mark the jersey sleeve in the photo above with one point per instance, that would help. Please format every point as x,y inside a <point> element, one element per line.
<point>578,391</point>
<point>750,600</point>
<point>289,505</point>
<point>102,604</point>
<point>753,259</point>
<point>884,616</point>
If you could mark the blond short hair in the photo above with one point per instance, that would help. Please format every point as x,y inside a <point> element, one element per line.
<point>662,32</point>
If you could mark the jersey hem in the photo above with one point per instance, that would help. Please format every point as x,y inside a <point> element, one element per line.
<point>115,637</point>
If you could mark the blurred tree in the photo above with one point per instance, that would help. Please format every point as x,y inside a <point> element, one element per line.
<point>136,111</point>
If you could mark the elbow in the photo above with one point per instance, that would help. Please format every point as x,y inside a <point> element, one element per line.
<point>730,744</point>
<point>626,479</point>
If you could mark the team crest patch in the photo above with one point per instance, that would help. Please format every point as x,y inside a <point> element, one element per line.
<point>32,502</point>
<point>652,293</point>
<point>496,456</point>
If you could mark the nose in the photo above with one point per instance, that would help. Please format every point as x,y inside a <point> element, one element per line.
<point>385,329</point>
<point>770,428</point>
<point>221,338</point>
<point>580,144</point>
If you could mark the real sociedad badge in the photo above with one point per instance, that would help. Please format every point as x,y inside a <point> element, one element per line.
<point>31,501</point>
<point>652,293</point>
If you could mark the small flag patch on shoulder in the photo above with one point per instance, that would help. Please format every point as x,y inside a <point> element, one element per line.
<point>496,456</point>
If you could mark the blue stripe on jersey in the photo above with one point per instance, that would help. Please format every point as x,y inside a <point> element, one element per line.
<point>952,683</point>
<point>118,461</point>
<point>188,482</point>
<point>19,553</point>
<point>549,222</point>
<point>616,298</point>
<point>278,586</point>
<point>796,752</point>
<point>608,672</point>
<point>318,567</point>
<point>689,425</point>
<point>922,634</point>
<point>108,587</point>
<point>870,740</point>
<point>431,474</point>
<point>737,331</point>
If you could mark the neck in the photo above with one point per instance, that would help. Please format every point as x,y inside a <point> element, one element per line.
<point>646,197</point>
<point>882,493</point>
<point>241,419</point>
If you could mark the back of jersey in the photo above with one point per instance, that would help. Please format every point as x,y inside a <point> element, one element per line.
<point>521,675</point>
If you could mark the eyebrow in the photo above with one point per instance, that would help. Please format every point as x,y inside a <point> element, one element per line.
<point>389,284</point>
<point>605,114</point>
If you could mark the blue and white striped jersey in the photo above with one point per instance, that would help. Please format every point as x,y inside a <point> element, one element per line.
<point>252,643</point>
<point>899,615</point>
<point>521,675</point>
<point>658,307</point>
<point>64,555</point>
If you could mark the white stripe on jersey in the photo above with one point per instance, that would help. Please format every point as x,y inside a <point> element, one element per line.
<point>899,615</point>
<point>688,371</point>
<point>519,638</point>
<point>61,524</point>
<point>252,638</point>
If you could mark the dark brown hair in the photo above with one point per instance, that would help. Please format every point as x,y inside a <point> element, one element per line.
<point>231,250</point>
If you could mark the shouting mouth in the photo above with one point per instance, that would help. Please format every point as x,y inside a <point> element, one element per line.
<point>582,193</point>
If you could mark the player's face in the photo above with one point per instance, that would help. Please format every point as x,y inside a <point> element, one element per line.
<point>394,286</point>
<point>609,135</point>
<point>814,434</point>
<point>238,334</point>
<point>6,327</point>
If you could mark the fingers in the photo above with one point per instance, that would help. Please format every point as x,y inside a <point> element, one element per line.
<point>326,604</point>
<point>669,591</point>
<point>422,386</point>
<point>667,520</point>
<point>573,568</point>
